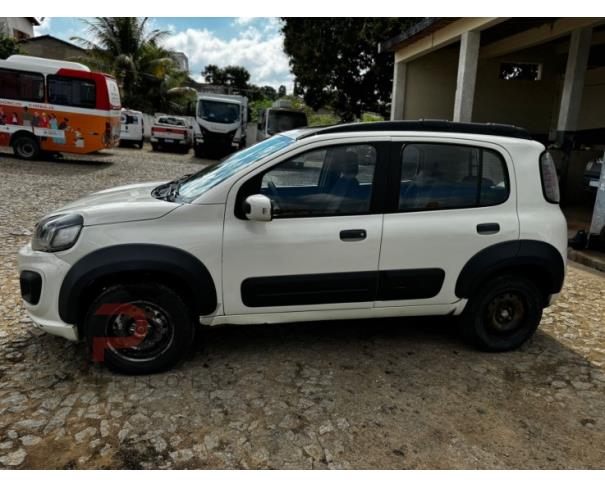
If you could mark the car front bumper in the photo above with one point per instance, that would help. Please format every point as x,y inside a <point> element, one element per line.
<point>44,311</point>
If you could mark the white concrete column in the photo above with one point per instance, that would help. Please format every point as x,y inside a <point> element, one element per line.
<point>398,95</point>
<point>575,72</point>
<point>467,76</point>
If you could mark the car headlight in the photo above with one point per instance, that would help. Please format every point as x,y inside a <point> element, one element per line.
<point>56,233</point>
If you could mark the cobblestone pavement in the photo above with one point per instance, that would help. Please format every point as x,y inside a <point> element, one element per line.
<point>369,394</point>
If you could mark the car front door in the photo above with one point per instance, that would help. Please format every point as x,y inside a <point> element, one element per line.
<point>321,249</point>
<point>448,200</point>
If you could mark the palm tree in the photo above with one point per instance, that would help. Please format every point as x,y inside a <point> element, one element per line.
<point>128,49</point>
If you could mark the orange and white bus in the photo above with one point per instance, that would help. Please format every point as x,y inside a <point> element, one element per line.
<point>56,106</point>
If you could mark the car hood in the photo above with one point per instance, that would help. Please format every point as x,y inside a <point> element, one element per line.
<point>121,204</point>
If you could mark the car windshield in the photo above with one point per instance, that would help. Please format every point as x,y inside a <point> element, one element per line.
<point>280,121</point>
<point>218,111</point>
<point>209,177</point>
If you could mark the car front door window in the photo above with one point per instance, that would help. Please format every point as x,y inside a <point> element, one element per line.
<point>325,182</point>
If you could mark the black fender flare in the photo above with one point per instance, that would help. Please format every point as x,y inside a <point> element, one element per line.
<point>133,260</point>
<point>517,254</point>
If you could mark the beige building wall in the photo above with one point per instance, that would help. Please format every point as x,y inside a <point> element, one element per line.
<point>431,85</point>
<point>529,104</point>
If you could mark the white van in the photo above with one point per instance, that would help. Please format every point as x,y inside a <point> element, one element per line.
<point>132,128</point>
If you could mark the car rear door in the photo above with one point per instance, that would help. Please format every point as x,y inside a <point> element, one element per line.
<point>448,199</point>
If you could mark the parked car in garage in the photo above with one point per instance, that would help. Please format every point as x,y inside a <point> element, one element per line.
<point>386,219</point>
<point>171,133</point>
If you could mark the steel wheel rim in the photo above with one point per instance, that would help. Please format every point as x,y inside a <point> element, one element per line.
<point>506,313</point>
<point>26,149</point>
<point>131,339</point>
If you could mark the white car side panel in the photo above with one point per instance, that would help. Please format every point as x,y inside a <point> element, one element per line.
<point>295,246</point>
<point>196,229</point>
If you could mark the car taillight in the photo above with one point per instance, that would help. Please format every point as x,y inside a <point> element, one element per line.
<point>550,181</point>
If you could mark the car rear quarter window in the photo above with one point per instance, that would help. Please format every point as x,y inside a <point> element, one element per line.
<point>449,176</point>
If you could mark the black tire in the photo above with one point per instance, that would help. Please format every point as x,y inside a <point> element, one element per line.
<point>155,147</point>
<point>141,143</point>
<point>197,150</point>
<point>26,147</point>
<point>502,314</point>
<point>166,328</point>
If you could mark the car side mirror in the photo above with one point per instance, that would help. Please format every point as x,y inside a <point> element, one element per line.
<point>259,208</point>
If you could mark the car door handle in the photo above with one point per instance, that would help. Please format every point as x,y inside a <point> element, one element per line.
<point>488,228</point>
<point>353,235</point>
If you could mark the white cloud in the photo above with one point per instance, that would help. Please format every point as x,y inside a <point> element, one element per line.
<point>261,54</point>
<point>243,20</point>
<point>44,28</point>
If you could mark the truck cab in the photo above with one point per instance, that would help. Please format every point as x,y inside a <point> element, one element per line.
<point>222,120</point>
<point>280,117</point>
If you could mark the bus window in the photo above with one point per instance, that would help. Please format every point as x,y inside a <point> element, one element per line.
<point>9,83</point>
<point>31,87</point>
<point>17,85</point>
<point>71,92</point>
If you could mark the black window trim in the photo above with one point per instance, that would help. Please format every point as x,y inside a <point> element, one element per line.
<point>51,77</point>
<point>380,179</point>
<point>396,153</point>
<point>33,73</point>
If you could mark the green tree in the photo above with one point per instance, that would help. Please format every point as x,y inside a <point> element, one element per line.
<point>336,62</point>
<point>126,48</point>
<point>281,92</point>
<point>236,77</point>
<point>8,46</point>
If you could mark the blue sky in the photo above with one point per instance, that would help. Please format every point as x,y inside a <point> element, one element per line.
<point>253,42</point>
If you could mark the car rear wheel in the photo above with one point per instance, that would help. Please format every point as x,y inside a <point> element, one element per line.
<point>155,147</point>
<point>503,314</point>
<point>26,147</point>
<point>139,328</point>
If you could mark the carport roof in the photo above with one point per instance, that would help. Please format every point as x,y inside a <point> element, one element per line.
<point>423,28</point>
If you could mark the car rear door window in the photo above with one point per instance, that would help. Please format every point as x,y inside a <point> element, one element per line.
<point>448,176</point>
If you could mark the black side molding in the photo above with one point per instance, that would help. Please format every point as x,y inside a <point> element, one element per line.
<point>136,261</point>
<point>538,257</point>
<point>341,287</point>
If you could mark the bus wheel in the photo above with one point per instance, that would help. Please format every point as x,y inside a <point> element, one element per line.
<point>26,147</point>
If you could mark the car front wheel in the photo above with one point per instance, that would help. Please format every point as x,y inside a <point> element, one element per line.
<point>139,328</point>
<point>503,314</point>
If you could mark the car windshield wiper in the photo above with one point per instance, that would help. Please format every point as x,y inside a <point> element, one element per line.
<point>170,191</point>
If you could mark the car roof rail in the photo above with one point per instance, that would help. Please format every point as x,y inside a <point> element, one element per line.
<point>424,125</point>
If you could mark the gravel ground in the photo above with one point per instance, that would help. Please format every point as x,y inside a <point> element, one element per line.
<point>368,394</point>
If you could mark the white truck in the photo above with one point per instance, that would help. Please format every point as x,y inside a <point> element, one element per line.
<point>170,132</point>
<point>222,120</point>
<point>280,117</point>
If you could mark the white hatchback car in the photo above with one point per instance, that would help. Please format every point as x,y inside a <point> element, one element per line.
<point>352,221</point>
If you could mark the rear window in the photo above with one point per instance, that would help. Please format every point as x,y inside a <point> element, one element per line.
<point>550,180</point>
<point>171,121</point>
